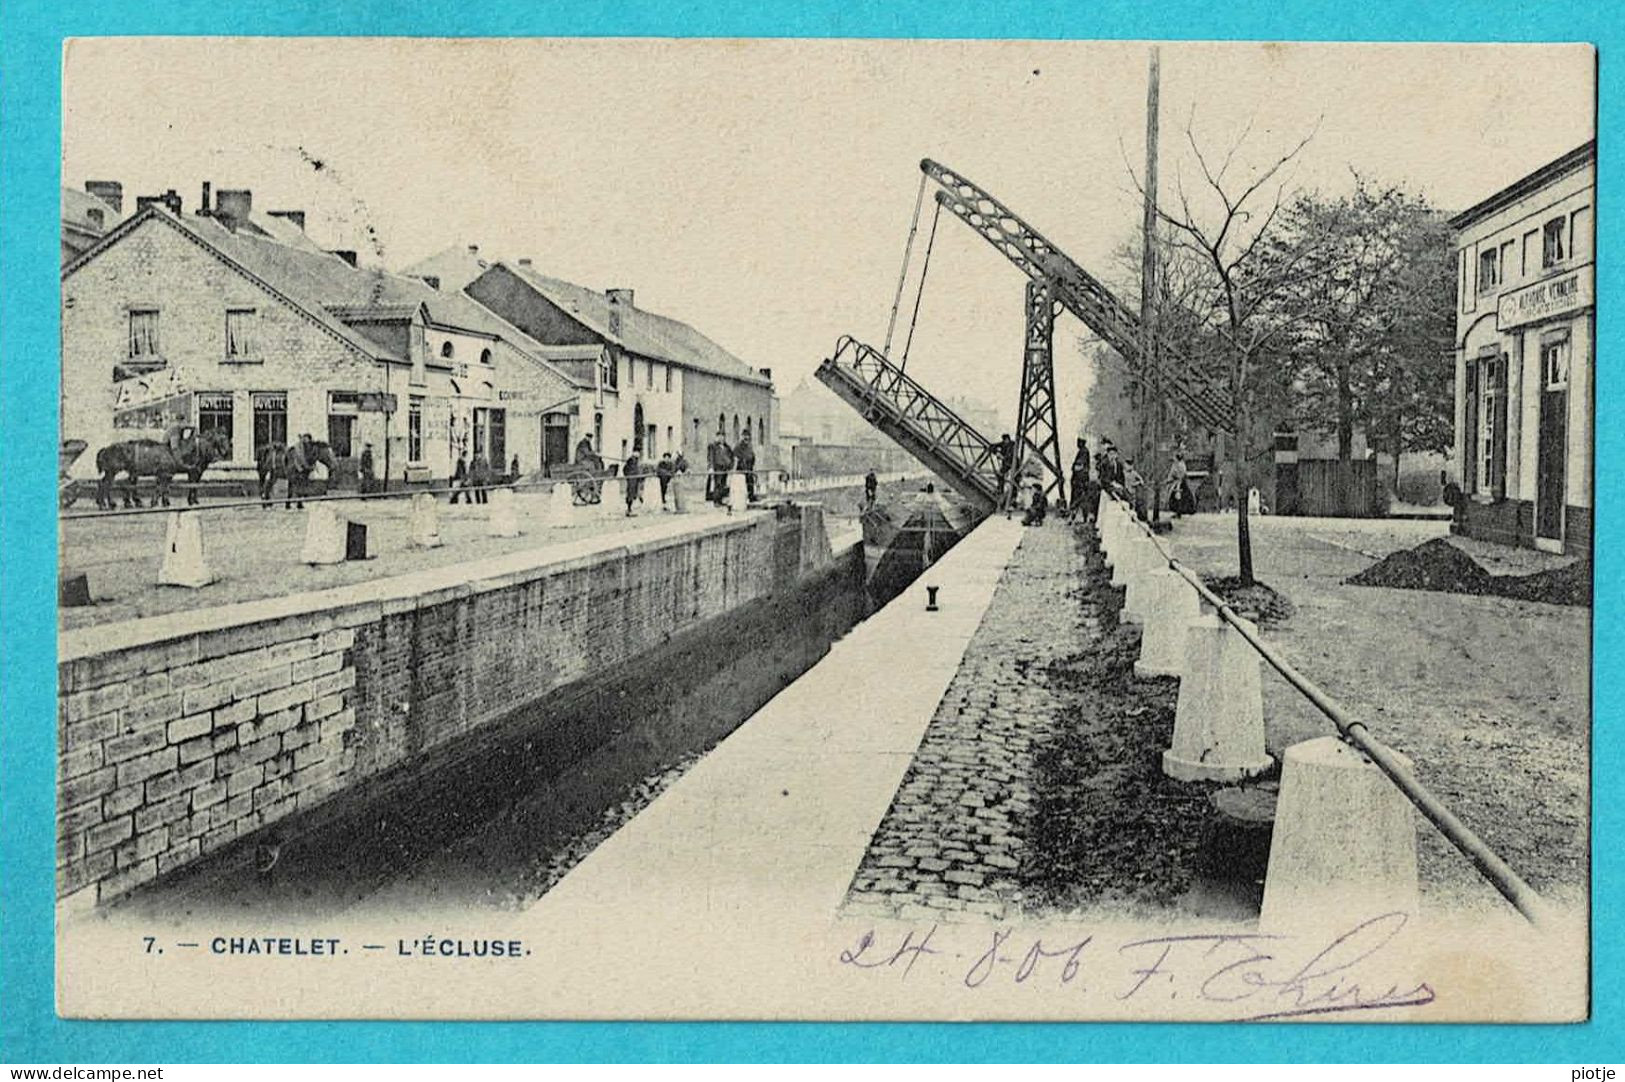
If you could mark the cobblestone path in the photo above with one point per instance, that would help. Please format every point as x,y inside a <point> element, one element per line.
<point>954,838</point>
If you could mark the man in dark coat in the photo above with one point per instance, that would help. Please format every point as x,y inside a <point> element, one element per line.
<point>745,460</point>
<point>664,472</point>
<point>633,473</point>
<point>1007,455</point>
<point>1083,494</point>
<point>719,459</point>
<point>871,485</point>
<point>368,478</point>
<point>479,475</point>
<point>459,480</point>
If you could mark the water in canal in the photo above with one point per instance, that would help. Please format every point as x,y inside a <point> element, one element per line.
<point>499,820</point>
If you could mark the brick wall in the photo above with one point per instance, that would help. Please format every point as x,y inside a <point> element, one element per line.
<point>180,735</point>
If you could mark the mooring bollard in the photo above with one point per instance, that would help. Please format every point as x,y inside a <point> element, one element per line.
<point>1219,718</point>
<point>1162,644</point>
<point>358,542</point>
<point>738,498</point>
<point>502,522</point>
<point>184,562</point>
<point>324,536</point>
<point>425,525</point>
<point>561,504</point>
<point>1344,846</point>
<point>931,598</point>
<point>73,591</point>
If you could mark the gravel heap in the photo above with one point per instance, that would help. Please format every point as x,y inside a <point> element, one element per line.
<point>1439,565</point>
<point>1269,605</point>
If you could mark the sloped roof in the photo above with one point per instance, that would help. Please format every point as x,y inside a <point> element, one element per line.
<point>76,208</point>
<point>641,332</point>
<point>455,267</point>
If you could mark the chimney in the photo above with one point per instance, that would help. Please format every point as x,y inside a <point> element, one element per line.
<point>110,192</point>
<point>170,201</point>
<point>524,261</point>
<point>204,205</point>
<point>619,296</point>
<point>297,217</point>
<point>346,254</point>
<point>767,374</point>
<point>433,280</point>
<point>233,206</point>
<point>473,249</point>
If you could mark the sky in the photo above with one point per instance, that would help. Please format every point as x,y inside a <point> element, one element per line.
<point>763,190</point>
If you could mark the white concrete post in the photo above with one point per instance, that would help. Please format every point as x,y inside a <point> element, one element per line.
<point>1135,553</point>
<point>324,535</point>
<point>1162,643</point>
<point>184,562</point>
<point>502,522</point>
<point>1140,590</point>
<point>561,504</point>
<point>737,497</point>
<point>425,528</point>
<point>612,498</point>
<point>679,494</point>
<point>1344,843</point>
<point>1219,719</point>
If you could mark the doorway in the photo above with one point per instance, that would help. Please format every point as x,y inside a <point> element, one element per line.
<point>1551,474</point>
<point>555,441</point>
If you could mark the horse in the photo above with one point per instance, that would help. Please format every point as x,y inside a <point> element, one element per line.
<point>152,458</point>
<point>292,463</point>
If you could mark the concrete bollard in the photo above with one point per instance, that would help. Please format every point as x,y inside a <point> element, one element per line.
<point>1219,719</point>
<point>679,494</point>
<point>425,525</point>
<point>184,562</point>
<point>503,522</point>
<point>1139,595</point>
<point>738,498</point>
<point>1344,844</point>
<point>325,535</point>
<point>612,498</point>
<point>561,504</point>
<point>1162,644</point>
<point>1135,554</point>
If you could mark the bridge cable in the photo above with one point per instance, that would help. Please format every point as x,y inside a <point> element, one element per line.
<point>902,278</point>
<point>925,265</point>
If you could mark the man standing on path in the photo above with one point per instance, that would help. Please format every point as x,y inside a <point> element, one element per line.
<point>664,471</point>
<point>479,475</point>
<point>1083,497</point>
<point>719,460</point>
<point>745,459</point>
<point>459,479</point>
<point>871,485</point>
<point>633,472</point>
<point>366,468</point>
<point>1007,454</point>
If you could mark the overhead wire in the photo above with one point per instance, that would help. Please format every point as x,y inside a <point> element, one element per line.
<point>902,277</point>
<point>925,267</point>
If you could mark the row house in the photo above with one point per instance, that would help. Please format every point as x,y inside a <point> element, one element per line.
<point>1525,347</point>
<point>659,385</point>
<point>231,320</point>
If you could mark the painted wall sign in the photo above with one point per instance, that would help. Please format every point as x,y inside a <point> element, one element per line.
<point>1553,297</point>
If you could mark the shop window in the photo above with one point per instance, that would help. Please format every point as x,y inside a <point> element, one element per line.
<point>270,420</point>
<point>1554,247</point>
<point>414,430</point>
<point>144,333</point>
<point>1489,447</point>
<point>240,344</point>
<point>1489,266</point>
<point>214,414</point>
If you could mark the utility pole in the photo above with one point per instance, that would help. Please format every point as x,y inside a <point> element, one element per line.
<point>1150,365</point>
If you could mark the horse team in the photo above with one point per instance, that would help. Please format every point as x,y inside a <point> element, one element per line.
<point>192,453</point>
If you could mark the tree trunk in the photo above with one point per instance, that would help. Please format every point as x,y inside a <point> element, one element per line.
<point>1345,437</point>
<point>1398,443</point>
<point>1238,470</point>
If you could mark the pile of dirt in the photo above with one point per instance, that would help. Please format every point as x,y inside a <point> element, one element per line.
<point>1270,605</point>
<point>1439,565</point>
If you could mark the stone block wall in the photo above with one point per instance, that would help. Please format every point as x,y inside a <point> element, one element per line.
<point>179,735</point>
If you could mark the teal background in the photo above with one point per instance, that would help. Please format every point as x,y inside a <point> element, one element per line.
<point>31,33</point>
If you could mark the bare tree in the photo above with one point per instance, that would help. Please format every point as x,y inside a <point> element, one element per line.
<point>1250,279</point>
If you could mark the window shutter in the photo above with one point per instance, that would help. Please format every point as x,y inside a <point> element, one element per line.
<point>1498,454</point>
<point>1469,447</point>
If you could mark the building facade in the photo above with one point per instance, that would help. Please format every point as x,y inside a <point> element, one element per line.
<point>660,386</point>
<point>1525,352</point>
<point>210,321</point>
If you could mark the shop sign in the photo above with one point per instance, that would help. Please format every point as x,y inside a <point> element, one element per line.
<point>148,388</point>
<point>1549,299</point>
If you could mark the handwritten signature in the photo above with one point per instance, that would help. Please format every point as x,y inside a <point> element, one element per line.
<point>1261,974</point>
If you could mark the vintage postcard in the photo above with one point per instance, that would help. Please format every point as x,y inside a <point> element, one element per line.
<point>619,529</point>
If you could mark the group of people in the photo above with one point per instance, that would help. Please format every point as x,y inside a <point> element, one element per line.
<point>471,480</point>
<point>721,459</point>
<point>1106,469</point>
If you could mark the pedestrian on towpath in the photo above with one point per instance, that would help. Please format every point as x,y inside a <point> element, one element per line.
<point>719,460</point>
<point>479,475</point>
<point>664,472</point>
<point>633,472</point>
<point>368,479</point>
<point>1007,453</point>
<point>1037,506</point>
<point>871,485</point>
<point>1083,495</point>
<point>459,480</point>
<point>745,459</point>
